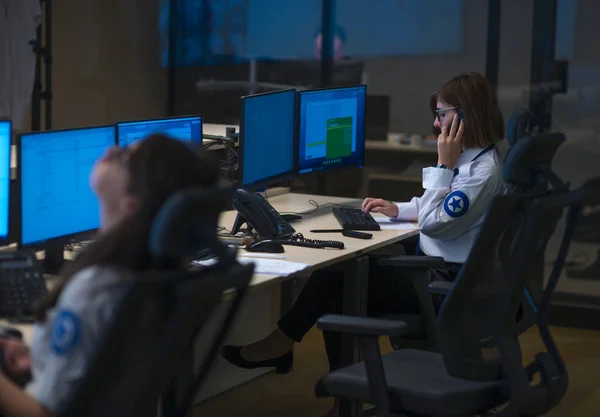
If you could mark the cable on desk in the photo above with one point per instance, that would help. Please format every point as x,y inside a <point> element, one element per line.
<point>224,143</point>
<point>75,246</point>
<point>317,206</point>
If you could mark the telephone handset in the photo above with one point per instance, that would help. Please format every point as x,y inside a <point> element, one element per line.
<point>259,215</point>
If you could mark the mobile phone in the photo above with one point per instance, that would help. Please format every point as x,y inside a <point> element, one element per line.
<point>358,235</point>
<point>461,115</point>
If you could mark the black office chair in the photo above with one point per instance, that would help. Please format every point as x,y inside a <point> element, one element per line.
<point>528,168</point>
<point>518,125</point>
<point>479,365</point>
<point>159,317</point>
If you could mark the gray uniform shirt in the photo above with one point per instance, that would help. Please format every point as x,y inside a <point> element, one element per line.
<point>61,346</point>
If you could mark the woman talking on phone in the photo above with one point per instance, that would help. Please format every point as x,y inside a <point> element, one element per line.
<point>458,192</point>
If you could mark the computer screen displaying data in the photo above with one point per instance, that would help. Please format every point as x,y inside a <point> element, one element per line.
<point>188,129</point>
<point>332,128</point>
<point>267,133</point>
<point>56,197</point>
<point>5,134</point>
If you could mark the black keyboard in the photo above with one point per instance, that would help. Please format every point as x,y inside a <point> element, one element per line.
<point>354,219</point>
<point>19,289</point>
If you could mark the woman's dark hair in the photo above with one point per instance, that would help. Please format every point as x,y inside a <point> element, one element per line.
<point>158,167</point>
<point>476,96</point>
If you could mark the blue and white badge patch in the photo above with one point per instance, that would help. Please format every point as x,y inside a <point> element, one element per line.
<point>456,204</point>
<point>65,333</point>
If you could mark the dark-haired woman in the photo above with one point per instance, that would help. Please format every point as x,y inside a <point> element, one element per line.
<point>458,192</point>
<point>131,184</point>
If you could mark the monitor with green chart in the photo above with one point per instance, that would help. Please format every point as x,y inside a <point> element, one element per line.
<point>332,128</point>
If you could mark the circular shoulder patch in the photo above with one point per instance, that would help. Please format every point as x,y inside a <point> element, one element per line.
<point>65,332</point>
<point>456,204</point>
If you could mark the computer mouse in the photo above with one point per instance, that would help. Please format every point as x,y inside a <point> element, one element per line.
<point>268,246</point>
<point>6,331</point>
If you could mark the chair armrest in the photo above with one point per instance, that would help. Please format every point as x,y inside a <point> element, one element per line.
<point>412,261</point>
<point>440,287</point>
<point>361,325</point>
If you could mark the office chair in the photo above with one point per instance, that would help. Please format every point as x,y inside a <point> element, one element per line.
<point>528,169</point>
<point>518,125</point>
<point>157,320</point>
<point>478,369</point>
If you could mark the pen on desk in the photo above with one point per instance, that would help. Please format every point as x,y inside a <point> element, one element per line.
<point>262,255</point>
<point>327,230</point>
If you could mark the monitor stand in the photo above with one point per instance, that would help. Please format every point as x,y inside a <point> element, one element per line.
<point>54,258</point>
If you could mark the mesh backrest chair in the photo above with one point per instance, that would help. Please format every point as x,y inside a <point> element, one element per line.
<point>528,168</point>
<point>518,125</point>
<point>160,315</point>
<point>479,366</point>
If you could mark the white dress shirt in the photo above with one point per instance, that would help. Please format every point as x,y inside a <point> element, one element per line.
<point>452,209</point>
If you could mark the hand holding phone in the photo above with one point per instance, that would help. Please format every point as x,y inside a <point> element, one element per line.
<point>450,142</point>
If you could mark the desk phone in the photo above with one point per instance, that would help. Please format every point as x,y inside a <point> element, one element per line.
<point>254,210</point>
<point>21,283</point>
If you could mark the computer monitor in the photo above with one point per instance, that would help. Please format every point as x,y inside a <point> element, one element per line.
<point>267,137</point>
<point>187,129</point>
<point>57,202</point>
<point>331,130</point>
<point>5,137</point>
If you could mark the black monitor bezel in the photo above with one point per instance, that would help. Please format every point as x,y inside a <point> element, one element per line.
<point>333,168</point>
<point>279,178</point>
<point>166,119</point>
<point>4,240</point>
<point>64,239</point>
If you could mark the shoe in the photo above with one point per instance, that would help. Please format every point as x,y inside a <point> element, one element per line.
<point>282,364</point>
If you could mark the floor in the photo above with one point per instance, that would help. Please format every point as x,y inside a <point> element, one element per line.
<point>292,395</point>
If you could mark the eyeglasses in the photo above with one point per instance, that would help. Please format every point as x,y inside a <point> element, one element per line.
<point>440,113</point>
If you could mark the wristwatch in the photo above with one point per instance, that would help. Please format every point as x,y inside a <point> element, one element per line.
<point>443,166</point>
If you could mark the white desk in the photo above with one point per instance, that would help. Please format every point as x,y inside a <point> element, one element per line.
<point>320,219</point>
<point>261,309</point>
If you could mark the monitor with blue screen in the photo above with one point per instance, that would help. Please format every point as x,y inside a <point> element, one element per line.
<point>331,130</point>
<point>267,137</point>
<point>5,136</point>
<point>188,129</point>
<point>57,201</point>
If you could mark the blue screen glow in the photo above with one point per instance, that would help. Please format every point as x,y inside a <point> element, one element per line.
<point>332,128</point>
<point>267,136</point>
<point>188,129</point>
<point>5,134</point>
<point>56,198</point>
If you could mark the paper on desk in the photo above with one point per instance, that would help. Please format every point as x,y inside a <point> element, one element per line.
<point>274,266</point>
<point>265,265</point>
<point>387,224</point>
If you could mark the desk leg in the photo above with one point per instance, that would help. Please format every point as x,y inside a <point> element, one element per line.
<point>356,281</point>
<point>287,296</point>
